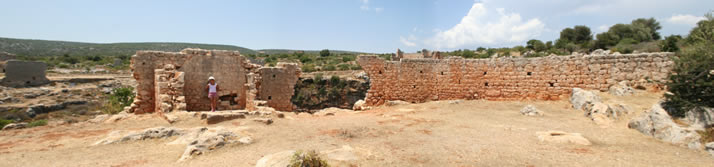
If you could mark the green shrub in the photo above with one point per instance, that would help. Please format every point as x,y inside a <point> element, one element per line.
<point>329,68</point>
<point>4,122</point>
<point>356,67</point>
<point>670,43</point>
<point>308,68</point>
<point>343,67</point>
<point>692,81</point>
<point>36,123</point>
<point>318,77</point>
<point>118,99</point>
<point>307,159</point>
<point>335,80</point>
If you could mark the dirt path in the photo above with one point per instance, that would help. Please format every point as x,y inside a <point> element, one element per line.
<point>471,133</point>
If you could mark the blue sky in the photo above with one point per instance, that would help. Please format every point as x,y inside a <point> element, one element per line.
<point>379,26</point>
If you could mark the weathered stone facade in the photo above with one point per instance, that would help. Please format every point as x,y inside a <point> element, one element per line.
<point>170,81</point>
<point>24,73</point>
<point>545,78</point>
<point>277,85</point>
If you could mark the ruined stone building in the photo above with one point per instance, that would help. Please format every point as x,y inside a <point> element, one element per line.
<point>170,81</point>
<point>24,73</point>
<point>545,78</point>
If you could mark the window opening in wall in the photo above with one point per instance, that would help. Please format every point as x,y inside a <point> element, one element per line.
<point>270,97</point>
<point>380,72</point>
<point>529,73</point>
<point>442,73</point>
<point>485,84</point>
<point>273,75</point>
<point>484,73</point>
<point>421,71</point>
<point>413,86</point>
<point>459,81</point>
<point>143,63</point>
<point>551,84</point>
<point>27,82</point>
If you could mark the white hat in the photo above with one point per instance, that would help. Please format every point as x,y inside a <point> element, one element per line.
<point>211,78</point>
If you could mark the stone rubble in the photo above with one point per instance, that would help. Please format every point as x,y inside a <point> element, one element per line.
<point>530,110</point>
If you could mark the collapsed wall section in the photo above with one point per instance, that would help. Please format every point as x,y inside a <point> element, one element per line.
<point>545,78</point>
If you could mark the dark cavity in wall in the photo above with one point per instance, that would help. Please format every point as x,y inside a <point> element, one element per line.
<point>311,94</point>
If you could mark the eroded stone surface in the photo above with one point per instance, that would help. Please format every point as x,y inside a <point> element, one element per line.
<point>562,137</point>
<point>657,123</point>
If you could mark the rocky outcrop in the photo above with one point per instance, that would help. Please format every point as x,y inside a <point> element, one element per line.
<point>32,111</point>
<point>204,140</point>
<point>581,98</point>
<point>278,159</point>
<point>151,133</point>
<point>700,117</point>
<point>562,137</point>
<point>621,89</point>
<point>15,126</point>
<point>657,123</point>
<point>359,105</point>
<point>530,110</point>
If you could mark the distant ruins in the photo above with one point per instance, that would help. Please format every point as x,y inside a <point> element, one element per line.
<point>169,81</point>
<point>24,73</point>
<point>545,78</point>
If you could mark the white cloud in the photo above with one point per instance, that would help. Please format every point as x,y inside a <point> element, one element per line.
<point>408,41</point>
<point>476,29</point>
<point>685,19</point>
<point>378,9</point>
<point>365,6</point>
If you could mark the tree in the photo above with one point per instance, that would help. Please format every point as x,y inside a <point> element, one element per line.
<point>577,35</point>
<point>548,45</point>
<point>480,49</point>
<point>670,43</point>
<point>703,32</point>
<point>582,34</point>
<point>650,24</point>
<point>691,81</point>
<point>324,53</point>
<point>536,45</point>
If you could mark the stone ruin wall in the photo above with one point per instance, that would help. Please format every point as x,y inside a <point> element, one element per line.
<point>24,73</point>
<point>545,78</point>
<point>278,95</point>
<point>169,81</point>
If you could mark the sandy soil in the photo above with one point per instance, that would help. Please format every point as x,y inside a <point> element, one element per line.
<point>471,133</point>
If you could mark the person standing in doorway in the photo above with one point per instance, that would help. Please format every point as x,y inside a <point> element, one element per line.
<point>213,89</point>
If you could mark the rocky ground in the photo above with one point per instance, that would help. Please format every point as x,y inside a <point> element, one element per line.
<point>67,99</point>
<point>443,133</point>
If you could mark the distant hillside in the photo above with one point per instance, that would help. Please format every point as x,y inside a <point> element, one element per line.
<point>288,51</point>
<point>24,47</point>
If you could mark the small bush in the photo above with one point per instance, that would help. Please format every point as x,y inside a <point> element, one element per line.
<point>36,123</point>
<point>329,68</point>
<point>120,98</point>
<point>4,122</point>
<point>307,159</point>
<point>318,77</point>
<point>343,67</point>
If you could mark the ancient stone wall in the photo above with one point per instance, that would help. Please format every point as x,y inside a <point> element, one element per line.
<point>24,73</point>
<point>545,78</point>
<point>277,85</point>
<point>170,81</point>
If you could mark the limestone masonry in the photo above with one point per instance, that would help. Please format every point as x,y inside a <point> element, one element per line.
<point>24,73</point>
<point>544,78</point>
<point>169,81</point>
